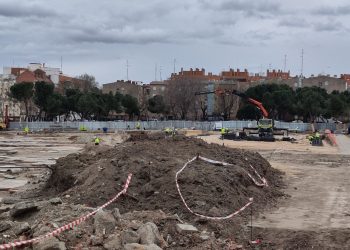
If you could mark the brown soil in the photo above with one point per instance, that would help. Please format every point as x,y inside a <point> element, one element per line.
<point>94,176</point>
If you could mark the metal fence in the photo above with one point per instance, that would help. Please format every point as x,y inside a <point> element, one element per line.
<point>159,125</point>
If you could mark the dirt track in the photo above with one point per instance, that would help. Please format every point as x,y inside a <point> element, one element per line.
<point>318,184</point>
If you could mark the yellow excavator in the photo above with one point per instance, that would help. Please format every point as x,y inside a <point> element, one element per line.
<point>265,125</point>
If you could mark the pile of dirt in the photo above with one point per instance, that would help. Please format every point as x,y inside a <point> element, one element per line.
<point>106,138</point>
<point>94,176</point>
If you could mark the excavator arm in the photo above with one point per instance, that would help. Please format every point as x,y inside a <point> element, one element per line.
<point>240,94</point>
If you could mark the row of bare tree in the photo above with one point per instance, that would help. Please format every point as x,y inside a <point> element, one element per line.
<point>181,102</point>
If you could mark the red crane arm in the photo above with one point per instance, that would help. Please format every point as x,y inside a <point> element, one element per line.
<point>259,106</point>
<point>240,94</point>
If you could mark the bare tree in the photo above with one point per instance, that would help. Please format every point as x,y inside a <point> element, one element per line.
<point>227,102</point>
<point>86,83</point>
<point>180,97</point>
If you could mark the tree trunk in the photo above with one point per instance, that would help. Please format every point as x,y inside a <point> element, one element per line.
<point>26,107</point>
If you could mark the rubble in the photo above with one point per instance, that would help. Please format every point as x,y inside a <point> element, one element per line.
<point>21,227</point>
<point>50,243</point>
<point>204,235</point>
<point>113,242</point>
<point>135,246</point>
<point>104,222</point>
<point>5,225</point>
<point>129,236</point>
<point>55,201</point>
<point>10,200</point>
<point>149,234</point>
<point>22,208</point>
<point>186,228</point>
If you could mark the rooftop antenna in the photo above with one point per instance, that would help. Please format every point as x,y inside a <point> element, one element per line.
<point>285,63</point>
<point>61,64</point>
<point>155,72</point>
<point>300,80</point>
<point>174,65</point>
<point>302,63</point>
<point>160,73</point>
<point>127,70</point>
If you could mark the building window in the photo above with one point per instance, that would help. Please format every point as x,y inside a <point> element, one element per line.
<point>154,88</point>
<point>163,88</point>
<point>320,84</point>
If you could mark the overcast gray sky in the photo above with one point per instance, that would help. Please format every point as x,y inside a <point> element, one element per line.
<point>98,37</point>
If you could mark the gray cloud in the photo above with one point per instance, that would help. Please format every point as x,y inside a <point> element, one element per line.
<point>251,6</point>
<point>294,23</point>
<point>328,26</point>
<point>23,9</point>
<point>253,9</point>
<point>332,11</point>
<point>126,35</point>
<point>198,33</point>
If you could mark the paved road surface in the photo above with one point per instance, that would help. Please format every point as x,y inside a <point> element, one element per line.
<point>318,181</point>
<point>343,144</point>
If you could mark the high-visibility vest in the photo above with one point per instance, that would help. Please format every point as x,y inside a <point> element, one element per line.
<point>97,140</point>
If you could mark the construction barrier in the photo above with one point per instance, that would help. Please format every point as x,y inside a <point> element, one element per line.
<point>160,125</point>
<point>218,163</point>
<point>69,225</point>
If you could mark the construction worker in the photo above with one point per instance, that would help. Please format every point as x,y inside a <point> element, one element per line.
<point>26,130</point>
<point>167,130</point>
<point>138,125</point>
<point>317,135</point>
<point>223,131</point>
<point>82,128</point>
<point>97,141</point>
<point>310,138</point>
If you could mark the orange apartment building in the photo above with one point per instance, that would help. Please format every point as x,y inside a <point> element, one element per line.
<point>279,74</point>
<point>197,74</point>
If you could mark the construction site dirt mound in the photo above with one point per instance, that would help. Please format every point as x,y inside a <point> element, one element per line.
<point>94,176</point>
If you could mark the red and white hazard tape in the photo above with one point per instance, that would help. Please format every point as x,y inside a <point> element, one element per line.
<point>70,225</point>
<point>263,180</point>
<point>258,241</point>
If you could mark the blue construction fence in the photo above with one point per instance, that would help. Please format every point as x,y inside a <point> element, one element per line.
<point>160,125</point>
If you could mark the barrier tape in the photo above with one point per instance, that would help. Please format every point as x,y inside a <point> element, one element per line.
<point>219,163</point>
<point>258,241</point>
<point>69,225</point>
<point>262,179</point>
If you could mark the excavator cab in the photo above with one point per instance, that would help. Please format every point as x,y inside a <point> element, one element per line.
<point>265,123</point>
<point>265,128</point>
